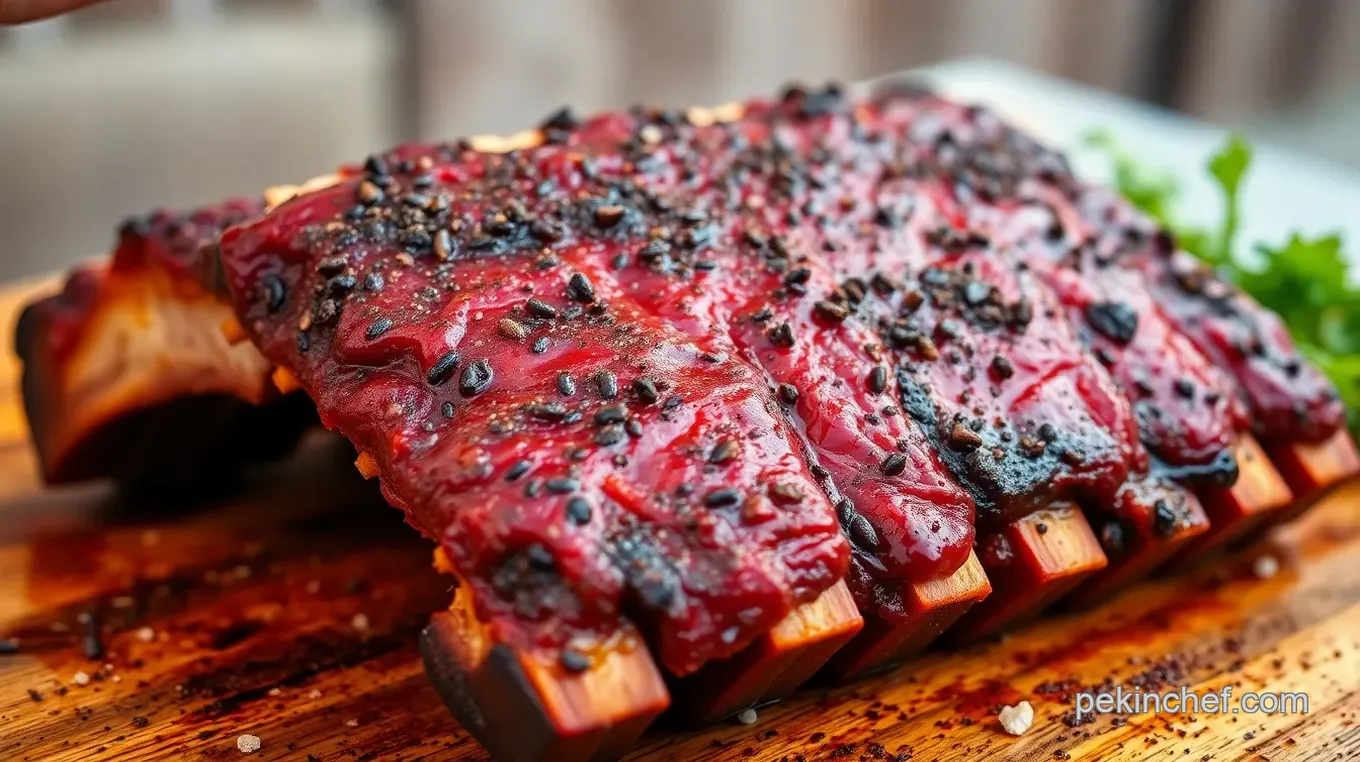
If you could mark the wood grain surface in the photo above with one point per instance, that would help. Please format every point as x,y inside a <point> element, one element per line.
<point>290,612</point>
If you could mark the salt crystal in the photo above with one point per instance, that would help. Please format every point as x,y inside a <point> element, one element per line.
<point>360,622</point>
<point>145,634</point>
<point>1265,567</point>
<point>1017,719</point>
<point>747,717</point>
<point>81,678</point>
<point>247,743</point>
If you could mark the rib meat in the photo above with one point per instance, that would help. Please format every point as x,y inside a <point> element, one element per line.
<point>573,454</point>
<point>127,373</point>
<point>681,373</point>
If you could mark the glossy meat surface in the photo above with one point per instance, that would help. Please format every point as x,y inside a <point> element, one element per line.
<point>575,455</point>
<point>1286,397</point>
<point>632,364</point>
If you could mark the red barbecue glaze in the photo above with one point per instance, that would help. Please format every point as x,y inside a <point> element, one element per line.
<point>863,304</point>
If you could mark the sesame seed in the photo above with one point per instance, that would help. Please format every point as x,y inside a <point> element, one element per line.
<point>578,510</point>
<point>607,383</point>
<point>646,391</point>
<point>878,379</point>
<point>369,193</point>
<point>828,310</point>
<point>561,486</point>
<point>561,119</point>
<point>476,378</point>
<point>512,329</point>
<point>580,289</point>
<point>540,309</point>
<point>326,312</point>
<point>275,293</point>
<point>724,451</point>
<point>862,533</point>
<point>963,438</point>
<point>377,328</point>
<point>611,414</point>
<point>608,216</point>
<point>1185,388</point>
<point>517,469</point>
<point>722,498</point>
<point>610,435</point>
<point>574,661</point>
<point>782,335</point>
<point>442,370</point>
<point>376,165</point>
<point>443,245</point>
<point>894,464</point>
<point>1265,566</point>
<point>551,411</point>
<point>1003,367</point>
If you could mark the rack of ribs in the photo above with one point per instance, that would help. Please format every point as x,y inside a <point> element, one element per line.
<point>699,404</point>
<point>1291,407</point>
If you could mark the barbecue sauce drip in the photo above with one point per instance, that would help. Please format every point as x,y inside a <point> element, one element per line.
<point>828,312</point>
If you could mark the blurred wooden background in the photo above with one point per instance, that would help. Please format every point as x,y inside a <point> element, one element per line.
<point>139,103</point>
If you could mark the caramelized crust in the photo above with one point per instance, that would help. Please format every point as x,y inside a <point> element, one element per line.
<point>128,374</point>
<point>632,373</point>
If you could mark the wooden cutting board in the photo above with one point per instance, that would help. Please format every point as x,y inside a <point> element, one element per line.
<point>290,612</point>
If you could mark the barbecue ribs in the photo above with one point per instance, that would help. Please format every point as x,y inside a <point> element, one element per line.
<point>690,384</point>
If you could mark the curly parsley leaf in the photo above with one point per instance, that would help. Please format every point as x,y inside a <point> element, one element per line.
<point>1305,280</point>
